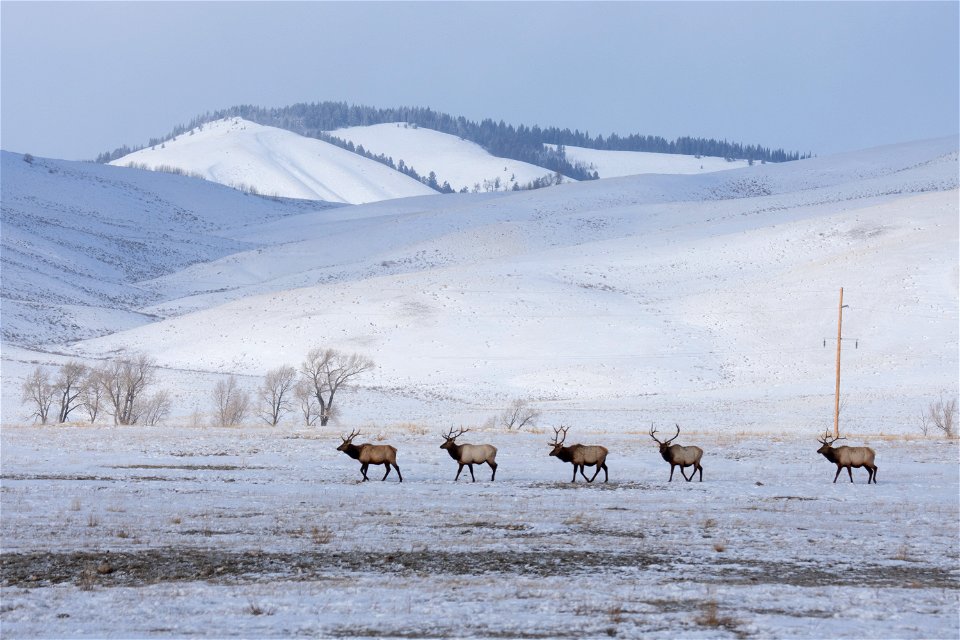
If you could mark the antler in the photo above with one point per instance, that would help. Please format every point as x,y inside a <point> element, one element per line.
<point>453,436</point>
<point>827,440</point>
<point>353,434</point>
<point>556,432</point>
<point>674,437</point>
<point>653,431</point>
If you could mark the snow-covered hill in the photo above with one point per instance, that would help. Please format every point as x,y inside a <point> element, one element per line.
<point>275,162</point>
<point>461,163</point>
<point>702,299</point>
<point>611,164</point>
<point>79,237</point>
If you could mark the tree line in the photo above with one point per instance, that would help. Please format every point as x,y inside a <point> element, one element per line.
<point>524,143</point>
<point>125,389</point>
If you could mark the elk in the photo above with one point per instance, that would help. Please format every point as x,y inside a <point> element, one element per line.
<point>580,455</point>
<point>369,454</point>
<point>679,456</point>
<point>468,455</point>
<point>848,457</point>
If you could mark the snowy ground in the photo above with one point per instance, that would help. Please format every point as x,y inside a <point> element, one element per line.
<point>255,532</point>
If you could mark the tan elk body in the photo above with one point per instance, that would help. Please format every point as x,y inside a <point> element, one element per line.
<point>678,456</point>
<point>580,455</point>
<point>468,455</point>
<point>369,454</point>
<point>848,457</point>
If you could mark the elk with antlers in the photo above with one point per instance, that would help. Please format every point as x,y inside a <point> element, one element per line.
<point>580,455</point>
<point>468,455</point>
<point>848,457</point>
<point>679,456</point>
<point>369,454</point>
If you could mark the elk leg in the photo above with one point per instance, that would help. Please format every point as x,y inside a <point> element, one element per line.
<point>387,465</point>
<point>595,474</point>
<point>363,470</point>
<point>458,473</point>
<point>583,472</point>
<point>606,476</point>
<point>470,466</point>
<point>701,473</point>
<point>493,465</point>
<point>671,473</point>
<point>397,467</point>
<point>873,472</point>
<point>685,475</point>
<point>850,471</point>
<point>839,469</point>
<point>574,474</point>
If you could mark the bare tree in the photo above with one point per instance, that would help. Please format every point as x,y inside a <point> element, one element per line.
<point>92,394</point>
<point>123,381</point>
<point>274,394</point>
<point>230,403</point>
<point>327,371</point>
<point>38,394</point>
<point>519,414</point>
<point>943,414</point>
<point>309,408</point>
<point>69,387</point>
<point>157,407</point>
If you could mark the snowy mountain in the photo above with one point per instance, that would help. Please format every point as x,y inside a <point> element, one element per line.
<point>606,302</point>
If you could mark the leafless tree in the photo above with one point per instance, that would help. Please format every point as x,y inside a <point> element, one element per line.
<point>943,414</point>
<point>123,381</point>
<point>327,371</point>
<point>309,408</point>
<point>275,393</point>
<point>157,407</point>
<point>92,394</point>
<point>38,394</point>
<point>519,414</point>
<point>69,387</point>
<point>230,403</point>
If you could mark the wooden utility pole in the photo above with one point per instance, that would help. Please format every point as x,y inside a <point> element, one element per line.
<point>836,404</point>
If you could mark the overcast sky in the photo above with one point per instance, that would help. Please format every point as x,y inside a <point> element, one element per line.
<point>80,78</point>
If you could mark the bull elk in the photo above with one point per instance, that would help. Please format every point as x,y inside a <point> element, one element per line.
<point>848,457</point>
<point>580,455</point>
<point>468,455</point>
<point>369,454</point>
<point>678,456</point>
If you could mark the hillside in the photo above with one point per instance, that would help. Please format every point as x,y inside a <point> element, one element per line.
<point>274,162</point>
<point>606,302</point>
<point>79,237</point>
<point>464,164</point>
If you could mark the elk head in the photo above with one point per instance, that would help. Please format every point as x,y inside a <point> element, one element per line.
<point>450,437</point>
<point>827,442</point>
<point>347,441</point>
<point>666,443</point>
<point>558,439</point>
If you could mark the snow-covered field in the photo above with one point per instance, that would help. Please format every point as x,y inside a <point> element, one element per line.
<point>708,300</point>
<point>258,532</point>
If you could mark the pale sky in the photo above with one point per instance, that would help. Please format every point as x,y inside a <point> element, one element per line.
<point>80,78</point>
